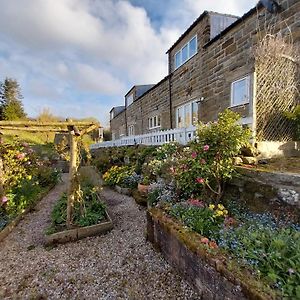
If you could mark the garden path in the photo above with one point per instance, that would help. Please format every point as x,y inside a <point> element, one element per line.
<point>118,265</point>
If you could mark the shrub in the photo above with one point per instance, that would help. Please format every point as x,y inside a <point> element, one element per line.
<point>208,163</point>
<point>117,175</point>
<point>295,118</point>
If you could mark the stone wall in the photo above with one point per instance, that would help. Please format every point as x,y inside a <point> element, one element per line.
<point>118,125</point>
<point>156,102</point>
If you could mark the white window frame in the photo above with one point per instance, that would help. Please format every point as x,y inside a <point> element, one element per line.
<point>189,56</point>
<point>130,130</point>
<point>130,96</point>
<point>112,115</point>
<point>154,122</point>
<point>190,108</point>
<point>248,95</point>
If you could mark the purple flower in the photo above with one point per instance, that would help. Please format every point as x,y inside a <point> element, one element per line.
<point>202,161</point>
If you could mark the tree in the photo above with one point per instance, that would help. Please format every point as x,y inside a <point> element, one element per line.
<point>11,107</point>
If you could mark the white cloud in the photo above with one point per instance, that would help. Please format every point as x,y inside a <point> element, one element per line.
<point>62,49</point>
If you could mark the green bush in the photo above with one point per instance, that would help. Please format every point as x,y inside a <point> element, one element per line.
<point>117,175</point>
<point>207,164</point>
<point>295,118</point>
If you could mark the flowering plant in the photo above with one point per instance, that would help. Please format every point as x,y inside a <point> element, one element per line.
<point>208,162</point>
<point>117,175</point>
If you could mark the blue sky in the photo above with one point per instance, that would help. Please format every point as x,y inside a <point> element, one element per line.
<point>79,57</point>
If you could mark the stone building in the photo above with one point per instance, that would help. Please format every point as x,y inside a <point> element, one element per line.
<point>211,68</point>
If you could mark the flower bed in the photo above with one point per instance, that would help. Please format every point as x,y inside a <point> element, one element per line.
<point>25,180</point>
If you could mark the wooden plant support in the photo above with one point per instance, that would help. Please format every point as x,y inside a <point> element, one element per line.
<point>75,129</point>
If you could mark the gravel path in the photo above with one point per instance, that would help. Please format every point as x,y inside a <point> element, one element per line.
<point>118,265</point>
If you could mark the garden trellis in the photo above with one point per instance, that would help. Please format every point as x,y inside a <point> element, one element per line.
<point>75,130</point>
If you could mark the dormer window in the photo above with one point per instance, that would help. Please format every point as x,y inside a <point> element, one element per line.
<point>186,52</point>
<point>112,115</point>
<point>129,100</point>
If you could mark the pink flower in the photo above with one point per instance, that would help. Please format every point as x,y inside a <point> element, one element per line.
<point>194,154</point>
<point>172,169</point>
<point>202,161</point>
<point>20,156</point>
<point>204,240</point>
<point>206,147</point>
<point>196,202</point>
<point>4,200</point>
<point>200,180</point>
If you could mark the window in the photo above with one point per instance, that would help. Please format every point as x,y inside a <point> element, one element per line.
<point>131,130</point>
<point>187,115</point>
<point>154,122</point>
<point>240,91</point>
<point>129,99</point>
<point>186,52</point>
<point>112,115</point>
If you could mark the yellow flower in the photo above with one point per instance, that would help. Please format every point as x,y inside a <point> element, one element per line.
<point>220,206</point>
<point>211,206</point>
<point>219,213</point>
<point>225,212</point>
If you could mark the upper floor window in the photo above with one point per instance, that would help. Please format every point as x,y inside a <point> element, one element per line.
<point>240,91</point>
<point>112,115</point>
<point>186,52</point>
<point>129,99</point>
<point>187,115</point>
<point>154,122</point>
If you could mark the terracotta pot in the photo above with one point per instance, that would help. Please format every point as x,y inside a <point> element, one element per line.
<point>143,189</point>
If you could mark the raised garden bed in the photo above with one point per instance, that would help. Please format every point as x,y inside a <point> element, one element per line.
<point>79,232</point>
<point>211,273</point>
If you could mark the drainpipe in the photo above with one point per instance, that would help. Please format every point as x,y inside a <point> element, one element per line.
<point>170,94</point>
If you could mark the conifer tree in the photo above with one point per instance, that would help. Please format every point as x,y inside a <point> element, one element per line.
<point>11,107</point>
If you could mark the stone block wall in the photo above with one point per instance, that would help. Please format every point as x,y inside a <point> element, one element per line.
<point>118,125</point>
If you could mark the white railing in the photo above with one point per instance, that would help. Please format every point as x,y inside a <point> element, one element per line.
<point>180,135</point>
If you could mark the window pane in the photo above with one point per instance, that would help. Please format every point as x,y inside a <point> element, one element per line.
<point>240,92</point>
<point>158,121</point>
<point>193,46</point>
<point>184,53</point>
<point>150,123</point>
<point>129,99</point>
<point>180,112</point>
<point>187,115</point>
<point>195,113</point>
<point>177,59</point>
<point>154,121</point>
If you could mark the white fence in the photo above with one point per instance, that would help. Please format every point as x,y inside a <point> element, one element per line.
<point>180,135</point>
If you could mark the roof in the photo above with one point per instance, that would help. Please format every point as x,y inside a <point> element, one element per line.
<point>142,86</point>
<point>118,110</point>
<point>234,24</point>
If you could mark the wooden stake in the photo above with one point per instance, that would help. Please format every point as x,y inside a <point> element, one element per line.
<point>1,179</point>
<point>72,178</point>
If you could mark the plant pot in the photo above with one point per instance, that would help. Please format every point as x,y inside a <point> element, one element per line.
<point>143,189</point>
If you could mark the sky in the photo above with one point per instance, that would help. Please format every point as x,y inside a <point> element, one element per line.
<point>79,58</point>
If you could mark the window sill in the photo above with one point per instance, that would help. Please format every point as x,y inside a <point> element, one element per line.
<point>238,105</point>
<point>185,62</point>
<point>157,127</point>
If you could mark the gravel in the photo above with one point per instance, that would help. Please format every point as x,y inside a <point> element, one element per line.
<point>118,265</point>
